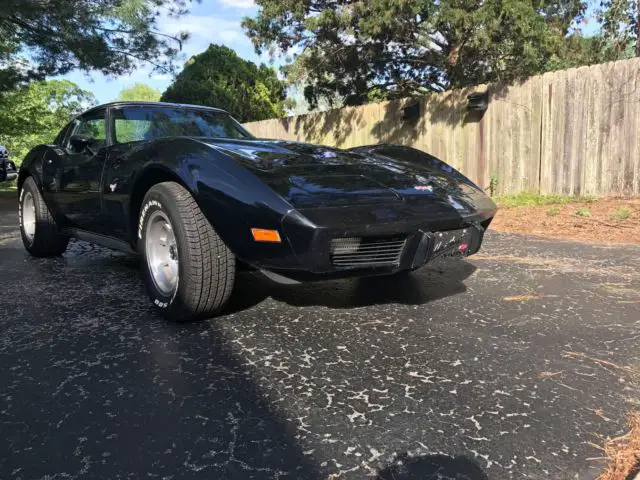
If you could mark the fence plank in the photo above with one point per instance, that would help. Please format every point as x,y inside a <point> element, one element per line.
<point>573,131</point>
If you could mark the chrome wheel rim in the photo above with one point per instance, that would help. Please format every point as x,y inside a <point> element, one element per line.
<point>162,253</point>
<point>28,216</point>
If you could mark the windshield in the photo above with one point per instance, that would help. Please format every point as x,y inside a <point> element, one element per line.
<point>133,124</point>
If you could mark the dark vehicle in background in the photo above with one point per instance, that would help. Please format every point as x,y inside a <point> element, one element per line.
<point>191,191</point>
<point>8,171</point>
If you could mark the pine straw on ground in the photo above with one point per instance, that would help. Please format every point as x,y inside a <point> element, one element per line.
<point>623,453</point>
<point>606,220</point>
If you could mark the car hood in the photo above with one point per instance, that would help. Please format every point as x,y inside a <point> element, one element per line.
<point>317,176</point>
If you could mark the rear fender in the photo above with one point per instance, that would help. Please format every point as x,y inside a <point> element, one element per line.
<point>33,163</point>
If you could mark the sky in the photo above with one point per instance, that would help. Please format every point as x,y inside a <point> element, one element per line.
<point>211,21</point>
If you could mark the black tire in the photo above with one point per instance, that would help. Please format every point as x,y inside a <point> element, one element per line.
<point>206,266</point>
<point>46,240</point>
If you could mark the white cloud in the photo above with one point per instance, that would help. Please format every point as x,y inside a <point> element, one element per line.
<point>197,25</point>
<point>204,30</point>
<point>228,36</point>
<point>244,4</point>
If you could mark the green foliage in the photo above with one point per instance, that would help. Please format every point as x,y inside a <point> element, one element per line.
<point>553,211</point>
<point>36,113</point>
<point>363,51</point>
<point>43,38</point>
<point>493,183</point>
<point>583,212</point>
<point>219,78</point>
<point>532,199</point>
<point>139,92</point>
<point>622,214</point>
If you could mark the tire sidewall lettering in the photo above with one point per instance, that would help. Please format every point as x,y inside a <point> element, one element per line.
<point>29,186</point>
<point>143,214</point>
<point>20,206</point>
<point>160,304</point>
<point>159,301</point>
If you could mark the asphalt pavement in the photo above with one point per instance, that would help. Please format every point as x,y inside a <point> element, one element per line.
<point>508,365</point>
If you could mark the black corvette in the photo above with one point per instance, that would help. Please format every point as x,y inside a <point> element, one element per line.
<point>197,196</point>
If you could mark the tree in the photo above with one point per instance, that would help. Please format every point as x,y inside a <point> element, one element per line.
<point>364,50</point>
<point>620,27</point>
<point>219,78</point>
<point>36,113</point>
<point>139,92</point>
<point>43,38</point>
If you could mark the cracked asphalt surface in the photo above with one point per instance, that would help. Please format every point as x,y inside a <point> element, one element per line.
<point>493,367</point>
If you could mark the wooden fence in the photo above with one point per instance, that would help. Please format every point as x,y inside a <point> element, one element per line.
<point>571,132</point>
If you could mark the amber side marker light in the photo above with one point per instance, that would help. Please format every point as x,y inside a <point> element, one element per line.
<point>262,235</point>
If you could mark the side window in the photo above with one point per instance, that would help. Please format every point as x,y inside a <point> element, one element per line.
<point>93,126</point>
<point>131,130</point>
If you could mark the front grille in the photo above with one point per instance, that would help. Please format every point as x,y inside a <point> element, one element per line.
<point>351,252</point>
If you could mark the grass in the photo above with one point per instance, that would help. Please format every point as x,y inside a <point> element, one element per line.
<point>532,199</point>
<point>583,212</point>
<point>8,190</point>
<point>622,214</point>
<point>553,211</point>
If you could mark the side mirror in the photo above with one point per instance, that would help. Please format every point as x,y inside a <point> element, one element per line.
<point>81,142</point>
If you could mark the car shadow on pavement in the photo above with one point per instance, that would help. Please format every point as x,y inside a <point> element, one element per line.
<point>425,285</point>
<point>432,467</point>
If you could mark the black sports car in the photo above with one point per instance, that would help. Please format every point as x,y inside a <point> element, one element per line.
<point>197,196</point>
<point>8,171</point>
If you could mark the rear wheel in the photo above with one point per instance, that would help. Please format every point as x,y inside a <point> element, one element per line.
<point>188,270</point>
<point>38,229</point>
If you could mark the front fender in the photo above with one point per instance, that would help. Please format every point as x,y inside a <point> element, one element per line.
<point>232,199</point>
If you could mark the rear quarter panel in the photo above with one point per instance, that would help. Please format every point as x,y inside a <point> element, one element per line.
<point>44,163</point>
<point>32,165</point>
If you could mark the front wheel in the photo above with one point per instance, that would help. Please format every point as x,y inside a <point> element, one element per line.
<point>188,270</point>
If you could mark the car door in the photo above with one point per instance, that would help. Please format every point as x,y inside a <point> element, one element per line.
<point>77,193</point>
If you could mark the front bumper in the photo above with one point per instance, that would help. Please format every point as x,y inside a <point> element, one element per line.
<point>311,256</point>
